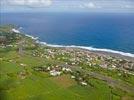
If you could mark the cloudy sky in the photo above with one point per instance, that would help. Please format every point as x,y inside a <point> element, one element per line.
<point>67,5</point>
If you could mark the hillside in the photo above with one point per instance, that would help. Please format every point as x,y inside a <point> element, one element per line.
<point>31,71</point>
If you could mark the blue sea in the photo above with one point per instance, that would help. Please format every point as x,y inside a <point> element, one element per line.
<point>106,31</point>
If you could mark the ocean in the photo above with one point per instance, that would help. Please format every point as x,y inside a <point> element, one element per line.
<point>103,31</point>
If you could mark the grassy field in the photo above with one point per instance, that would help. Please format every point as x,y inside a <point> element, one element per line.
<point>42,86</point>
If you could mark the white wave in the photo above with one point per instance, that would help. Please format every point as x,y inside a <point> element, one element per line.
<point>108,50</point>
<point>92,49</point>
<point>19,31</point>
<point>32,37</point>
<point>82,47</point>
<point>15,30</point>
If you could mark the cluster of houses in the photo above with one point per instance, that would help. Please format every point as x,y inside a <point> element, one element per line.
<point>54,70</point>
<point>74,56</point>
<point>62,69</point>
<point>81,57</point>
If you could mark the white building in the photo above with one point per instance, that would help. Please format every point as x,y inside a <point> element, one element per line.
<point>55,73</point>
<point>83,83</point>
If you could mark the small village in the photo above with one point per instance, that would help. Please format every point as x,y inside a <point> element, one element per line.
<point>79,57</point>
<point>68,56</point>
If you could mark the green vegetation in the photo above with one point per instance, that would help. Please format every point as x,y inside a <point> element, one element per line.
<point>27,75</point>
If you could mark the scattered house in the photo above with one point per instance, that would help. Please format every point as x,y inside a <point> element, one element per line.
<point>83,83</point>
<point>55,73</point>
<point>104,65</point>
<point>73,63</point>
<point>23,64</point>
<point>34,54</point>
<point>73,77</point>
<point>22,75</point>
<point>2,46</point>
<point>48,68</point>
<point>9,45</point>
<point>113,66</point>
<point>66,69</point>
<point>10,60</point>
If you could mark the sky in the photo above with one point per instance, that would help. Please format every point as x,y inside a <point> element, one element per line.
<point>67,5</point>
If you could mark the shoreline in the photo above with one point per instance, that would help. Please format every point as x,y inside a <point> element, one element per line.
<point>121,55</point>
<point>98,51</point>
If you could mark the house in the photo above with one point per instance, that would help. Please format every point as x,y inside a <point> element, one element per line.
<point>23,64</point>
<point>48,68</point>
<point>66,69</point>
<point>83,83</point>
<point>55,73</point>
<point>73,77</point>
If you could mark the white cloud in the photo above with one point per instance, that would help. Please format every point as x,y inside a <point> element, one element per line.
<point>16,2</point>
<point>128,6</point>
<point>70,5</point>
<point>90,5</point>
<point>32,3</point>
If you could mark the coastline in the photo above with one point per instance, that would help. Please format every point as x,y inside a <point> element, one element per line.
<point>114,55</point>
<point>98,51</point>
<point>109,52</point>
<point>106,52</point>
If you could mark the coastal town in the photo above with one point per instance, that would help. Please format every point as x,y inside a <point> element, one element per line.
<point>81,65</point>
